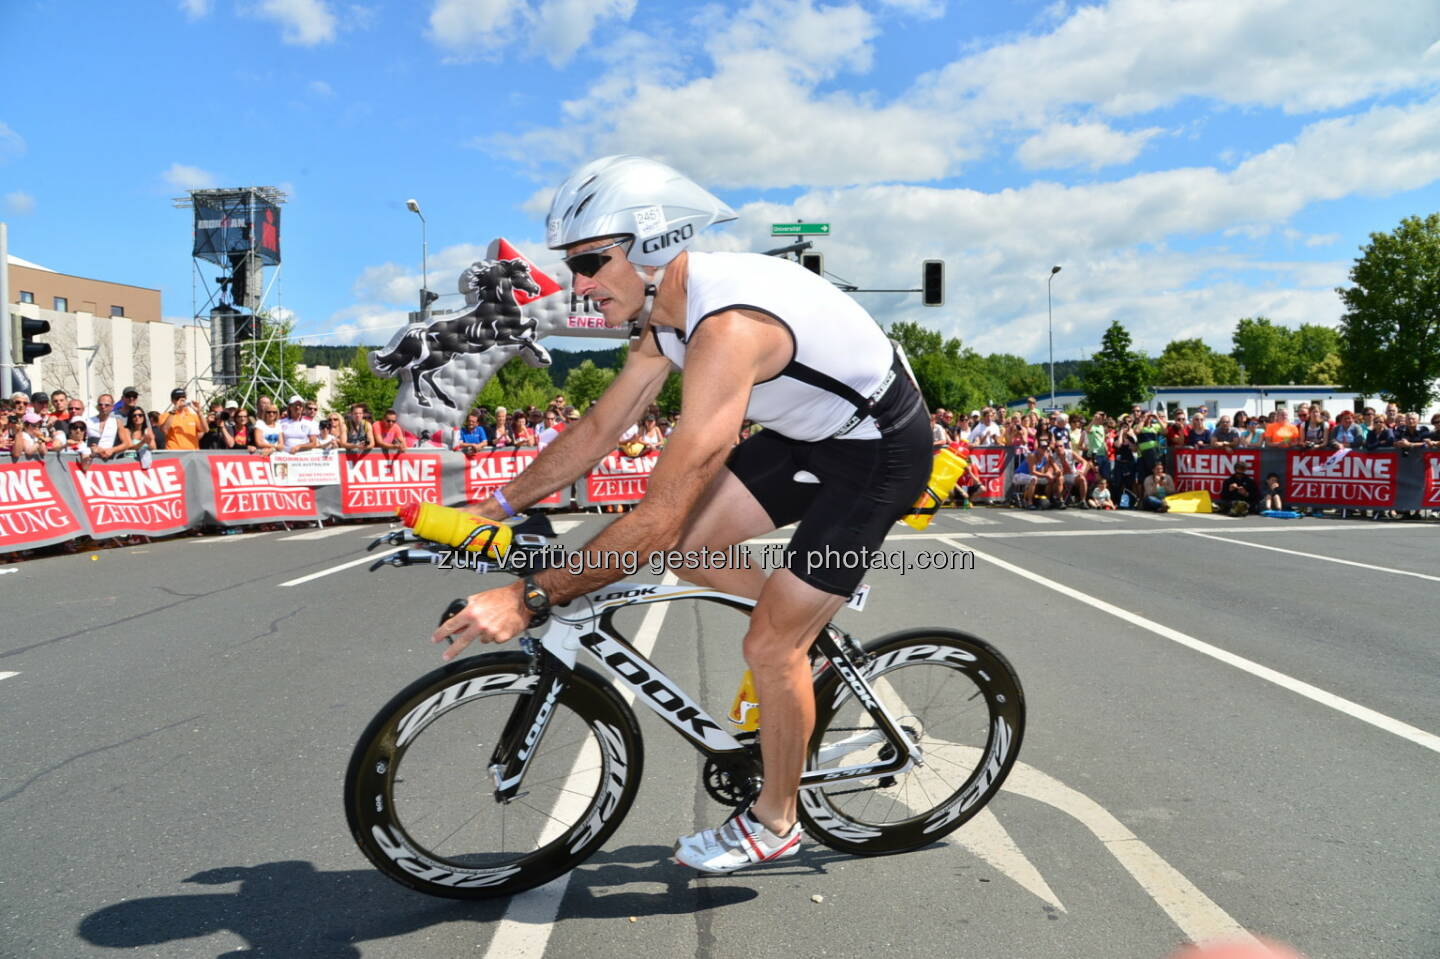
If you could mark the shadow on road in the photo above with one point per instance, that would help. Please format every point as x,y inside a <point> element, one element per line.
<point>291,909</point>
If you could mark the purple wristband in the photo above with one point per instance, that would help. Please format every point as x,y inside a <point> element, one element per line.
<point>504,503</point>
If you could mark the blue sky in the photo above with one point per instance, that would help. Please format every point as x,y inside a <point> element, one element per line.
<point>1187,162</point>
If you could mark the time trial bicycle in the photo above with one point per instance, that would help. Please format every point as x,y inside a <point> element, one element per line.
<point>498,772</point>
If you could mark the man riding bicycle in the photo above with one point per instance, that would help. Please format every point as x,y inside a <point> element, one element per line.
<point>758,338</point>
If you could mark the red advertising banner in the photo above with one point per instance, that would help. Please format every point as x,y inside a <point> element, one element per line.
<point>989,464</point>
<point>372,485</point>
<point>244,492</point>
<point>31,510</point>
<point>1208,469</point>
<point>1430,484</point>
<point>125,497</point>
<point>1340,478</point>
<point>619,478</point>
<point>488,471</point>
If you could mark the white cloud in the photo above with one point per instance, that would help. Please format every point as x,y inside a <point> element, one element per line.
<point>320,89</point>
<point>19,203</point>
<point>490,29</point>
<point>1094,145</point>
<point>1131,56</point>
<point>924,9</point>
<point>12,144</point>
<point>195,9</point>
<point>304,23</point>
<point>184,177</point>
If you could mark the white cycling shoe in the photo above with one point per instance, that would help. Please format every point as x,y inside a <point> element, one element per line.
<point>740,842</point>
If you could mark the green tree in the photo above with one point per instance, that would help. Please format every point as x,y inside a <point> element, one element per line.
<point>357,383</point>
<point>1192,363</point>
<point>517,385</point>
<point>272,364</point>
<point>1391,327</point>
<point>1013,378</point>
<point>1309,346</point>
<point>1117,376</point>
<point>1264,350</point>
<point>585,384</point>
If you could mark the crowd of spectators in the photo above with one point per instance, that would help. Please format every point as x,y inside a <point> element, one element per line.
<point>1098,461</point>
<point>33,426</point>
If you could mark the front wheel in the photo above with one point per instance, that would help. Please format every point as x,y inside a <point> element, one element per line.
<point>957,698</point>
<point>420,797</point>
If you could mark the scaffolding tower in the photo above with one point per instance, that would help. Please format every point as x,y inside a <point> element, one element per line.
<point>238,230</point>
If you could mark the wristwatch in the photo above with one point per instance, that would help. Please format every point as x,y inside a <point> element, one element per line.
<point>537,601</point>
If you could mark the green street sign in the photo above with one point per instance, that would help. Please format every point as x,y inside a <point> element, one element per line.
<point>799,229</point>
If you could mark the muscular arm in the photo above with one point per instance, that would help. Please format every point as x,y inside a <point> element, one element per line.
<point>582,444</point>
<point>722,362</point>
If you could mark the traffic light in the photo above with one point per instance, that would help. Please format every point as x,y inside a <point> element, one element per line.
<point>932,283</point>
<point>814,262</point>
<point>25,348</point>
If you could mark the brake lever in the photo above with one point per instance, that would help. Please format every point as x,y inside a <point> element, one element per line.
<point>396,537</point>
<point>406,557</point>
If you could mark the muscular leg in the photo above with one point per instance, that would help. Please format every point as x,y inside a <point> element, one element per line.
<point>784,624</point>
<point>730,514</point>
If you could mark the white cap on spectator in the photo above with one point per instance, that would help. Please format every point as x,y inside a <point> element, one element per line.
<point>232,405</point>
<point>295,398</point>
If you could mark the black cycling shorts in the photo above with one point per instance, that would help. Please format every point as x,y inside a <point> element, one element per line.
<point>865,486</point>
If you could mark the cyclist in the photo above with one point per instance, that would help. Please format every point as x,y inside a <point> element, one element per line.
<point>758,338</point>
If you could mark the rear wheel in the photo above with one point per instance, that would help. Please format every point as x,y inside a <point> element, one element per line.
<point>421,800</point>
<point>957,698</point>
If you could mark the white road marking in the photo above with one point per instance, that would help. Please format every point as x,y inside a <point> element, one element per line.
<point>1030,517</point>
<point>969,519</point>
<point>1195,913</point>
<point>1379,720</point>
<point>1146,514</point>
<point>530,917</point>
<point>9,569</point>
<point>1097,516</point>
<point>566,525</point>
<point>335,569</point>
<point>986,838</point>
<point>8,675</point>
<point>1328,559</point>
<point>324,533</point>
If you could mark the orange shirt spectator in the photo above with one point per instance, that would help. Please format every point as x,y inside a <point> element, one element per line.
<point>183,423</point>
<point>1282,432</point>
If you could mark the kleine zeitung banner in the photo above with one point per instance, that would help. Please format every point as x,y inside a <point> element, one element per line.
<point>126,497</point>
<point>31,510</point>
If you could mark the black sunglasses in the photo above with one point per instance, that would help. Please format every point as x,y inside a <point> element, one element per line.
<point>590,262</point>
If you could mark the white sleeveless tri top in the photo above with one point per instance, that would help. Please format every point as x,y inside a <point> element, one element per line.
<point>833,337</point>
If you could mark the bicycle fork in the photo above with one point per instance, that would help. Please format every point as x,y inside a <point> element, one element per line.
<point>513,751</point>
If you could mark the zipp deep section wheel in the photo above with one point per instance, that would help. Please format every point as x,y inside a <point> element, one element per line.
<point>957,698</point>
<point>420,797</point>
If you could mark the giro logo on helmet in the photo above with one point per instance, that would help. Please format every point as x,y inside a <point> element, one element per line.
<point>665,239</point>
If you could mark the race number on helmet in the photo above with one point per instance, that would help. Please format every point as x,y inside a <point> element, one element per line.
<point>633,196</point>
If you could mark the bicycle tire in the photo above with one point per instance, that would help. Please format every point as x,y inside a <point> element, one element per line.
<point>969,747</point>
<point>420,799</point>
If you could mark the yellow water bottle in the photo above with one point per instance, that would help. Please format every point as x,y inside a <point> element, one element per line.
<point>944,474</point>
<point>445,524</point>
<point>745,712</point>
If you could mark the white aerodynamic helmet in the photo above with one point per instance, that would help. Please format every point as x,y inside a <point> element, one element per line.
<point>661,208</point>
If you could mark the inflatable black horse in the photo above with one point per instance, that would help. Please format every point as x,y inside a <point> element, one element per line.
<point>494,320</point>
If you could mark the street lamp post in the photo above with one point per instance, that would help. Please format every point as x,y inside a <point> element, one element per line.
<point>414,207</point>
<point>1050,309</point>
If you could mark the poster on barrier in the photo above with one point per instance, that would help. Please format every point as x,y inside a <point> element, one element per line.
<point>989,463</point>
<point>245,493</point>
<point>1208,469</point>
<point>619,478</point>
<point>487,471</point>
<point>1340,478</point>
<point>128,498</point>
<point>31,510</point>
<point>375,484</point>
<point>1430,485</point>
<point>313,468</point>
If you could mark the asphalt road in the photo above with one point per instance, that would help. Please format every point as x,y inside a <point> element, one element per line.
<point>1222,733</point>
